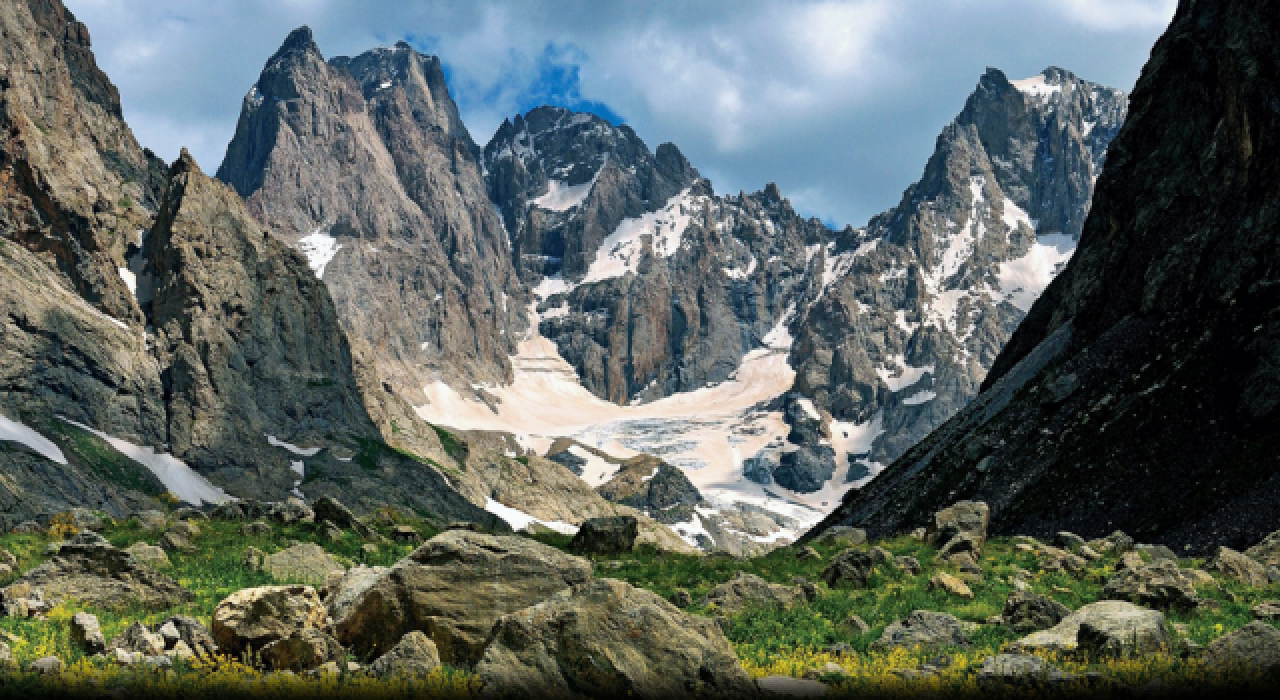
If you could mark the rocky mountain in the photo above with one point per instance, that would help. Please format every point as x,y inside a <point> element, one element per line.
<point>1140,391</point>
<point>364,164</point>
<point>911,311</point>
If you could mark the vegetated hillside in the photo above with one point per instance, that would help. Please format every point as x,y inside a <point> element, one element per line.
<point>1141,391</point>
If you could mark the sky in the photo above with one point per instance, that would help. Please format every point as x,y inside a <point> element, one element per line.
<point>838,102</point>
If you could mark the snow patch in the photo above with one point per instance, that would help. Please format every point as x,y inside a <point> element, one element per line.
<point>919,398</point>
<point>180,479</point>
<point>561,196</point>
<point>130,280</point>
<point>1037,86</point>
<point>597,470</point>
<point>904,377</point>
<point>300,451</point>
<point>1024,279</point>
<point>620,251</point>
<point>15,431</point>
<point>809,409</point>
<point>320,248</point>
<point>519,520</point>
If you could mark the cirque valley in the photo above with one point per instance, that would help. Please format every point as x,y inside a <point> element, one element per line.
<point>568,292</point>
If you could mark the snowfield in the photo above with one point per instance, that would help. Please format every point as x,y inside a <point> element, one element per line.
<point>180,479</point>
<point>15,431</point>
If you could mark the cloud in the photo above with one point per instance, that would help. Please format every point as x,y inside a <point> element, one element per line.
<point>839,102</point>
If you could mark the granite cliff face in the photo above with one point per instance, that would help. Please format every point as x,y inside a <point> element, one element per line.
<point>1140,392</point>
<point>364,164</point>
<point>909,312</point>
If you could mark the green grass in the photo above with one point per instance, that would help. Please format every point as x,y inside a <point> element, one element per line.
<point>768,640</point>
<point>453,447</point>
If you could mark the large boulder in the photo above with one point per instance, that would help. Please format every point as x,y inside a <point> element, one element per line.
<point>964,518</point>
<point>923,629</point>
<point>256,617</point>
<point>842,535</point>
<point>453,588</point>
<point>305,648</point>
<point>611,535</point>
<point>328,508</point>
<point>607,639</point>
<point>148,555</point>
<point>1160,584</point>
<point>1107,628</point>
<point>1026,612</point>
<point>1267,551</point>
<point>137,638</point>
<point>1253,649</point>
<point>851,568</point>
<point>748,589</point>
<point>415,655</point>
<point>90,571</point>
<point>301,563</point>
<point>292,511</point>
<point>1240,567</point>
<point>181,629</point>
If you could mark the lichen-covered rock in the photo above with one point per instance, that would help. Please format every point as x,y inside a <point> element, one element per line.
<point>453,588</point>
<point>330,509</point>
<point>1253,649</point>
<point>414,655</point>
<point>138,639</point>
<point>748,590</point>
<point>305,648</point>
<point>611,535</point>
<point>923,629</point>
<point>1233,564</point>
<point>851,568</point>
<point>942,581</point>
<point>1160,584</point>
<point>301,563</point>
<point>842,535</point>
<point>1267,551</point>
<point>148,555</point>
<point>605,638</point>
<point>1107,628</point>
<point>86,633</point>
<point>92,572</point>
<point>255,617</point>
<point>1020,670</point>
<point>1026,612</point>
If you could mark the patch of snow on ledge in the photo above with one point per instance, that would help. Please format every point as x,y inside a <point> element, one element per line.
<point>919,398</point>
<point>1037,87</point>
<point>301,451</point>
<point>519,520</point>
<point>908,376</point>
<point>562,196</point>
<point>620,251</point>
<point>14,431</point>
<point>320,249</point>
<point>1024,279</point>
<point>181,480</point>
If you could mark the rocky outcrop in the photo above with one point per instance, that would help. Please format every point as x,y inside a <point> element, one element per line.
<point>453,588</point>
<point>745,590</point>
<point>1026,612</point>
<point>256,617</point>
<point>1107,628</point>
<point>923,629</point>
<point>90,571</point>
<point>415,655</point>
<point>1143,376</point>
<point>614,535</point>
<point>302,563</point>
<point>654,488</point>
<point>1253,649</point>
<point>364,164</point>
<point>1160,584</point>
<point>605,638</point>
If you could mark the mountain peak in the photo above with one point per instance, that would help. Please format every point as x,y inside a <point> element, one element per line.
<point>300,39</point>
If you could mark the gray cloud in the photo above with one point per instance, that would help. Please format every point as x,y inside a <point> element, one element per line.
<point>838,102</point>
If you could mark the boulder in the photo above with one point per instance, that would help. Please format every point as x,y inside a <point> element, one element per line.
<point>189,513</point>
<point>228,512</point>
<point>186,528</point>
<point>1020,670</point>
<point>751,590</point>
<point>605,638</point>
<point>1156,552</point>
<point>7,558</point>
<point>256,617</point>
<point>841,536</point>
<point>1106,628</point>
<point>807,554</point>
<point>176,542</point>
<point>1069,541</point>
<point>255,529</point>
<point>327,508</point>
<point>453,588</point>
<point>292,511</point>
<point>1025,613</point>
<point>1267,551</point>
<point>1056,559</point>
<point>923,629</point>
<point>965,517</point>
<point>181,631</point>
<point>1236,565</point>
<point>405,533</point>
<point>851,568</point>
<point>85,519</point>
<point>46,666</point>
<point>681,598</point>
<point>151,519</point>
<point>1254,649</point>
<point>342,591</point>
<point>610,535</point>
<point>1160,584</point>
<point>857,625</point>
<point>301,563</point>
<point>148,555</point>
<point>1266,610</point>
<point>93,573</point>
<point>950,585</point>
<point>253,558</point>
<point>414,655</point>
<point>86,633</point>
<point>137,639</point>
<point>27,527</point>
<point>303,649</point>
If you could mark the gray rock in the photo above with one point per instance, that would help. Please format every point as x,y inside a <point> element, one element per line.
<point>1267,551</point>
<point>857,625</point>
<point>841,535</point>
<point>967,518</point>
<point>910,565</point>
<point>301,563</point>
<point>1254,648</point>
<point>148,555</point>
<point>303,649</point>
<point>94,573</point>
<point>330,509</point>
<point>1235,565</point>
<point>1030,612</point>
<point>176,542</point>
<point>255,529</point>
<point>138,639</point>
<point>453,588</point>
<point>414,655</point>
<point>1156,552</point>
<point>681,598</point>
<point>228,512</point>
<point>189,633</point>
<point>47,666</point>
<point>292,511</point>
<point>256,617</point>
<point>87,634</point>
<point>1069,541</point>
<point>655,650</point>
<point>923,629</point>
<point>1160,584</point>
<point>805,470</point>
<point>746,590</point>
<point>1106,628</point>
<point>613,535</point>
<point>1020,670</point>
<point>1266,610</point>
<point>851,568</point>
